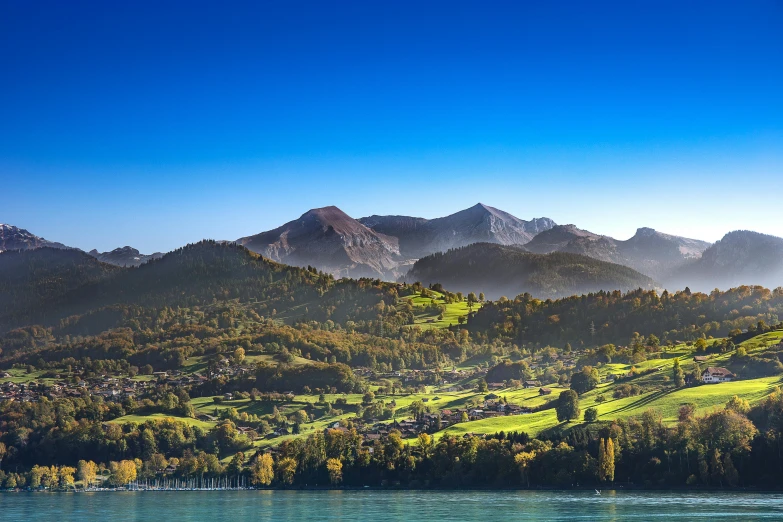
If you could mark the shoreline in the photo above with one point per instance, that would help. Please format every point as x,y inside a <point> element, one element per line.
<point>399,489</point>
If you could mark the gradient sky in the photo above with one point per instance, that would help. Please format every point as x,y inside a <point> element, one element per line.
<point>154,124</point>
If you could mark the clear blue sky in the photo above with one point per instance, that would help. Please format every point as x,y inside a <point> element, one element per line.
<point>154,124</point>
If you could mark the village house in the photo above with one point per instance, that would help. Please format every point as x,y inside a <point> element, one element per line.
<point>545,391</point>
<point>532,384</point>
<point>715,375</point>
<point>700,359</point>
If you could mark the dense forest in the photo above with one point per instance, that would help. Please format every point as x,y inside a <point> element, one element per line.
<point>613,317</point>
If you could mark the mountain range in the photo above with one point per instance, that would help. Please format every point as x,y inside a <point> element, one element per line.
<point>650,252</point>
<point>388,247</point>
<point>15,238</point>
<point>124,256</point>
<point>385,246</point>
<point>741,257</point>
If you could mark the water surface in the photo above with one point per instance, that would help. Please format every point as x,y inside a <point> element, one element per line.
<point>409,506</point>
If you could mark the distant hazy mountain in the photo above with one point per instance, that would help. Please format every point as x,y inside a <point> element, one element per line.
<point>124,256</point>
<point>504,270</point>
<point>15,238</point>
<point>330,240</point>
<point>420,237</point>
<point>740,258</point>
<point>653,253</point>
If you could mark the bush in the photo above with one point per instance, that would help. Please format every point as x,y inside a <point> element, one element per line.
<point>626,390</point>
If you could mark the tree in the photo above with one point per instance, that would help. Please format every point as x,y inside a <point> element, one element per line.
<point>237,461</point>
<point>523,460</point>
<point>482,386</point>
<point>738,405</point>
<point>426,444</point>
<point>591,415</point>
<point>472,299</point>
<point>586,380</point>
<point>677,374</point>
<point>2,454</point>
<point>66,476</point>
<point>239,355</point>
<point>262,470</point>
<point>481,296</point>
<point>601,459</point>
<point>286,470</point>
<point>729,471</point>
<point>609,460</point>
<point>300,417</point>
<point>87,471</point>
<point>123,472</point>
<point>335,469</point>
<point>567,407</point>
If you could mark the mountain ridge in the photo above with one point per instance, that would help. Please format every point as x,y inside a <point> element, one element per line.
<point>510,271</point>
<point>648,251</point>
<point>741,257</point>
<point>330,239</point>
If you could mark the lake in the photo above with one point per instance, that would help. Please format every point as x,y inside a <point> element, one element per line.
<point>410,506</point>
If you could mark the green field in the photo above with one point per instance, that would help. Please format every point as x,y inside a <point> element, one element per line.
<point>661,397</point>
<point>140,419</point>
<point>705,397</point>
<point>450,317</point>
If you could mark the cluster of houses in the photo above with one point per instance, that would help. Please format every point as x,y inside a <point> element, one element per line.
<point>108,387</point>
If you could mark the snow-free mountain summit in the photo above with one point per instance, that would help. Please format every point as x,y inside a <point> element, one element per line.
<point>385,246</point>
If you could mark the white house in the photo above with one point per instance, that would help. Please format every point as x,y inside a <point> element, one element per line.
<point>716,375</point>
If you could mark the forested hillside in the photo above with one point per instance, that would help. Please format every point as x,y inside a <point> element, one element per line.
<point>499,270</point>
<point>45,286</point>
<point>613,317</point>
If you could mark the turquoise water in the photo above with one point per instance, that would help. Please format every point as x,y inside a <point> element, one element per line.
<point>410,506</point>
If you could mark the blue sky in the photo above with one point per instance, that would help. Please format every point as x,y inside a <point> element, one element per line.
<point>157,125</point>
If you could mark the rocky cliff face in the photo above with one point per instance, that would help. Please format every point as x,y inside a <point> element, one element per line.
<point>330,240</point>
<point>420,237</point>
<point>15,238</point>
